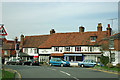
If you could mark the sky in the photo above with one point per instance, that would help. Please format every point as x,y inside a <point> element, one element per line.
<point>38,18</point>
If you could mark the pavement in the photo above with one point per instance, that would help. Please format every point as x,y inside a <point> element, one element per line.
<point>65,73</point>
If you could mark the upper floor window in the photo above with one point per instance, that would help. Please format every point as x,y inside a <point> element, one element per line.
<point>111,44</point>
<point>35,51</point>
<point>67,48</point>
<point>93,38</point>
<point>56,49</point>
<point>78,48</point>
<point>31,50</point>
<point>26,50</point>
<point>5,52</point>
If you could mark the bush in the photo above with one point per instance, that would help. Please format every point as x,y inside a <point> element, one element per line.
<point>104,60</point>
<point>118,65</point>
<point>110,65</point>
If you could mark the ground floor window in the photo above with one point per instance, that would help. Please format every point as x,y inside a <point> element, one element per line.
<point>73,58</point>
<point>113,57</point>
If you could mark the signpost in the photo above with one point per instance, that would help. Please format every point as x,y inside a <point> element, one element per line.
<point>3,33</point>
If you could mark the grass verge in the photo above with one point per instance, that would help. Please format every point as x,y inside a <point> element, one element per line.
<point>106,68</point>
<point>7,75</point>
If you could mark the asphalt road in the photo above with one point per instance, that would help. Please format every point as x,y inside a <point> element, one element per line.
<point>72,73</point>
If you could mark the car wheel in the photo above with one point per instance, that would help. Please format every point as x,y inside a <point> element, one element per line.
<point>82,65</point>
<point>50,64</point>
<point>61,65</point>
<point>30,64</point>
<point>22,63</point>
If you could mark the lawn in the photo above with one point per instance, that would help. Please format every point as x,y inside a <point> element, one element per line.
<point>7,75</point>
<point>106,68</point>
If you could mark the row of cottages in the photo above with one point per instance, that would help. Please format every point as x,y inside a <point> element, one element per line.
<point>73,46</point>
<point>8,48</point>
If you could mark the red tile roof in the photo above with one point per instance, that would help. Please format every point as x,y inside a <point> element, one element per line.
<point>73,39</point>
<point>34,41</point>
<point>7,44</point>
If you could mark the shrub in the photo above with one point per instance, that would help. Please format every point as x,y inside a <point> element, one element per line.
<point>110,65</point>
<point>104,60</point>
<point>118,65</point>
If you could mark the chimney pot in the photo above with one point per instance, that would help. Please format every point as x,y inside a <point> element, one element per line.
<point>81,29</point>
<point>52,31</point>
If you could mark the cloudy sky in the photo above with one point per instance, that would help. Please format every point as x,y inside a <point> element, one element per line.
<point>37,18</point>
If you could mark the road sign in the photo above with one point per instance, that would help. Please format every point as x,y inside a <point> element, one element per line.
<point>2,31</point>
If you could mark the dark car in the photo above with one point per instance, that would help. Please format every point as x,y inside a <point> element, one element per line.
<point>31,62</point>
<point>58,62</point>
<point>15,62</point>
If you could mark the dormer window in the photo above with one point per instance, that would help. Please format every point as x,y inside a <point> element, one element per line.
<point>93,38</point>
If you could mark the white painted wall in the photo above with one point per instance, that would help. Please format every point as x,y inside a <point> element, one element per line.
<point>72,49</point>
<point>117,56</point>
<point>31,51</point>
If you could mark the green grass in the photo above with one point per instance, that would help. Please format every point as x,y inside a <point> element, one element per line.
<point>7,75</point>
<point>106,68</point>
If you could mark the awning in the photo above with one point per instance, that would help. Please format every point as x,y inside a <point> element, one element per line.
<point>35,57</point>
<point>56,54</point>
<point>72,54</point>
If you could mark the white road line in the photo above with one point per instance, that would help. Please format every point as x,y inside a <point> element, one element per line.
<point>69,75</point>
<point>65,73</point>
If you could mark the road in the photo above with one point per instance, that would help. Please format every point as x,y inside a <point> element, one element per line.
<point>65,73</point>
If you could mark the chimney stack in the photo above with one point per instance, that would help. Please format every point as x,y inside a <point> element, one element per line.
<point>99,27</point>
<point>21,41</point>
<point>81,29</point>
<point>52,31</point>
<point>16,40</point>
<point>109,30</point>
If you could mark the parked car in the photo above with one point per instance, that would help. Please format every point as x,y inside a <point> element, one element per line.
<point>15,62</point>
<point>31,62</point>
<point>58,62</point>
<point>87,63</point>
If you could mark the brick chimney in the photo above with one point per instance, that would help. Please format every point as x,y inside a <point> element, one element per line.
<point>81,29</point>
<point>52,31</point>
<point>99,27</point>
<point>16,40</point>
<point>109,30</point>
<point>21,41</point>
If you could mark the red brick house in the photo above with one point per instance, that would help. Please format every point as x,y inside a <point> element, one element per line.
<point>8,48</point>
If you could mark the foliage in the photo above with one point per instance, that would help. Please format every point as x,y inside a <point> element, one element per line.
<point>110,65</point>
<point>8,75</point>
<point>104,59</point>
<point>106,68</point>
<point>118,65</point>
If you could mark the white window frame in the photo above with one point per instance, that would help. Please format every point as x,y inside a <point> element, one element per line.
<point>67,48</point>
<point>56,49</point>
<point>93,38</point>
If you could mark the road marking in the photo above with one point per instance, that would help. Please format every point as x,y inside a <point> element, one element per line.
<point>69,75</point>
<point>65,73</point>
<point>53,69</point>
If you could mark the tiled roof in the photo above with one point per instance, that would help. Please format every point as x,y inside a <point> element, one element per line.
<point>34,41</point>
<point>8,45</point>
<point>114,36</point>
<point>73,39</point>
